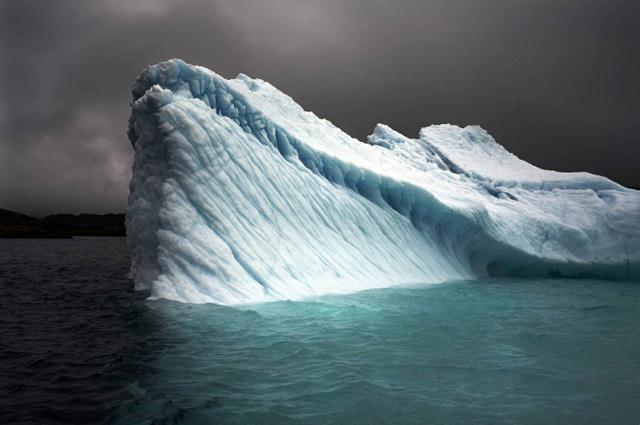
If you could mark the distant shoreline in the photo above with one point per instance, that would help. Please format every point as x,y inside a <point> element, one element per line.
<point>14,225</point>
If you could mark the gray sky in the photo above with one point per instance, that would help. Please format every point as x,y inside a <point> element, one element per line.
<point>557,82</point>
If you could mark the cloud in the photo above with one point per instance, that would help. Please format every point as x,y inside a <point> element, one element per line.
<point>554,81</point>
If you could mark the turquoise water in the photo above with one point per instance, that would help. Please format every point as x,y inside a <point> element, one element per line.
<point>79,346</point>
<point>494,351</point>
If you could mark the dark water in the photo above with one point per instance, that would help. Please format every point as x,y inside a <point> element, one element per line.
<point>78,346</point>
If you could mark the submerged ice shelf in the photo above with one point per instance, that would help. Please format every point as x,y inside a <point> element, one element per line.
<point>238,195</point>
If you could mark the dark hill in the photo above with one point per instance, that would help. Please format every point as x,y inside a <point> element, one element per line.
<point>16,225</point>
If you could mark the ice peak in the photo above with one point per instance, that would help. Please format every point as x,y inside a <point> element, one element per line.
<point>385,136</point>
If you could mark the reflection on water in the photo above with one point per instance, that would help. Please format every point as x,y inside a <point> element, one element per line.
<point>84,347</point>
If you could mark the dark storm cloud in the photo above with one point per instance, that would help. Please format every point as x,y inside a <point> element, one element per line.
<point>556,82</point>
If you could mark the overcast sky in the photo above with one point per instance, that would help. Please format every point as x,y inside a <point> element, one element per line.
<point>556,82</point>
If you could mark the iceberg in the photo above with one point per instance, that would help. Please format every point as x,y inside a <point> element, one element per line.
<point>239,195</point>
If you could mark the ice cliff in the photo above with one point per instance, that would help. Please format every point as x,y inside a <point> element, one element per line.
<point>238,195</point>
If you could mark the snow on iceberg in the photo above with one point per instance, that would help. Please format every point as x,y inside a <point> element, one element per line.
<point>238,195</point>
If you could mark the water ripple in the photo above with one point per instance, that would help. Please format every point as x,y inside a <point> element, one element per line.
<point>78,346</point>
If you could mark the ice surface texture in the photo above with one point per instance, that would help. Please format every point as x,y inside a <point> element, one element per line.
<point>238,195</point>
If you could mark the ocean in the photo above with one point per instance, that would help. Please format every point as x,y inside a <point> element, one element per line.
<point>79,346</point>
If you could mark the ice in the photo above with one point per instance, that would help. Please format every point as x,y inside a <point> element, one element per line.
<point>238,195</point>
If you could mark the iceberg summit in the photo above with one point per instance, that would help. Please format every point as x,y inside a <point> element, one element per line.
<point>238,195</point>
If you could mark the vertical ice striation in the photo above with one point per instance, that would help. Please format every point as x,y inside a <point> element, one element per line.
<point>239,195</point>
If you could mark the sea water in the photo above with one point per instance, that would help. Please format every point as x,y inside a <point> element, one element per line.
<point>78,345</point>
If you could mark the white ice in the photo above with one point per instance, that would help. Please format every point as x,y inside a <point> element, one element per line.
<point>238,195</point>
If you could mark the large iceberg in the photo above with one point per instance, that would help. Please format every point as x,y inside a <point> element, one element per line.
<point>239,195</point>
